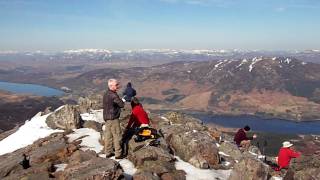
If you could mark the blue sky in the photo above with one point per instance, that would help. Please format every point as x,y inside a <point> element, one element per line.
<point>54,25</point>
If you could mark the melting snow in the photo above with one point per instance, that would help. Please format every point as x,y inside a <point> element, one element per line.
<point>288,61</point>
<point>242,62</point>
<point>254,60</point>
<point>223,154</point>
<point>217,65</point>
<point>28,133</point>
<point>60,167</point>
<point>226,163</point>
<point>164,118</point>
<point>126,165</point>
<point>276,178</point>
<point>194,173</point>
<point>90,139</point>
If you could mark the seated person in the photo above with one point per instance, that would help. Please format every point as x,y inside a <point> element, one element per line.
<point>286,153</point>
<point>241,138</point>
<point>138,119</point>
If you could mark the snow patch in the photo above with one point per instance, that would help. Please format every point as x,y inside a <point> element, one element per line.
<point>27,134</point>
<point>90,139</point>
<point>288,61</point>
<point>60,167</point>
<point>193,173</point>
<point>226,163</point>
<point>164,118</point>
<point>223,154</point>
<point>59,108</point>
<point>217,65</point>
<point>242,62</point>
<point>276,178</point>
<point>254,60</point>
<point>127,166</point>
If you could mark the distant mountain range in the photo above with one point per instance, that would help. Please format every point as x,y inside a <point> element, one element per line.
<point>271,87</point>
<point>164,55</point>
<point>283,84</point>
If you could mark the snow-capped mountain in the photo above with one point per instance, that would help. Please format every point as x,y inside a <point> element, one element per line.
<point>245,86</point>
<point>156,55</point>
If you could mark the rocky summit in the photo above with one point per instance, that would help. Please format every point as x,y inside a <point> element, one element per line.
<point>67,144</point>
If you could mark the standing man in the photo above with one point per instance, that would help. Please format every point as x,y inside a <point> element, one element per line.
<point>112,105</point>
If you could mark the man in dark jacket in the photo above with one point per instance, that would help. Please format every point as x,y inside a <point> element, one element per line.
<point>241,138</point>
<point>112,105</point>
<point>129,92</point>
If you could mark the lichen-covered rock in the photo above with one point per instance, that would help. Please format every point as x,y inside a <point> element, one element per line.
<point>145,175</point>
<point>37,171</point>
<point>93,102</point>
<point>304,168</point>
<point>182,119</point>
<point>94,169</point>
<point>190,140</point>
<point>230,149</point>
<point>93,125</point>
<point>66,117</point>
<point>150,153</point>
<point>195,147</point>
<point>175,175</point>
<point>250,169</point>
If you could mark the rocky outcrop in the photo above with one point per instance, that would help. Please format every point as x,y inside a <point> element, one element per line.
<point>55,149</point>
<point>190,140</point>
<point>152,161</point>
<point>90,103</point>
<point>96,169</point>
<point>66,117</point>
<point>145,175</point>
<point>231,149</point>
<point>181,136</point>
<point>42,155</point>
<point>250,168</point>
<point>304,168</point>
<point>93,125</point>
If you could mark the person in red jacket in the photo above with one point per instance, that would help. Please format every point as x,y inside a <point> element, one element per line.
<point>285,155</point>
<point>139,118</point>
<point>241,138</point>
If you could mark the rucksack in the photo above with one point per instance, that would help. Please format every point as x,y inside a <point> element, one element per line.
<point>146,133</point>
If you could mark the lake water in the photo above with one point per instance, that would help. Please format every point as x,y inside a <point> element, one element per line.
<point>29,89</point>
<point>263,125</point>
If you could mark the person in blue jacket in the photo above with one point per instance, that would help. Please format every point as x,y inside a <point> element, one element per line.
<point>129,92</point>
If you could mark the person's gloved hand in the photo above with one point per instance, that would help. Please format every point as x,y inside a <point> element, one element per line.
<point>254,136</point>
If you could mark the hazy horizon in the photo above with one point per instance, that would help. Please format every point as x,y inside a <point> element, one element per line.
<point>31,25</point>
